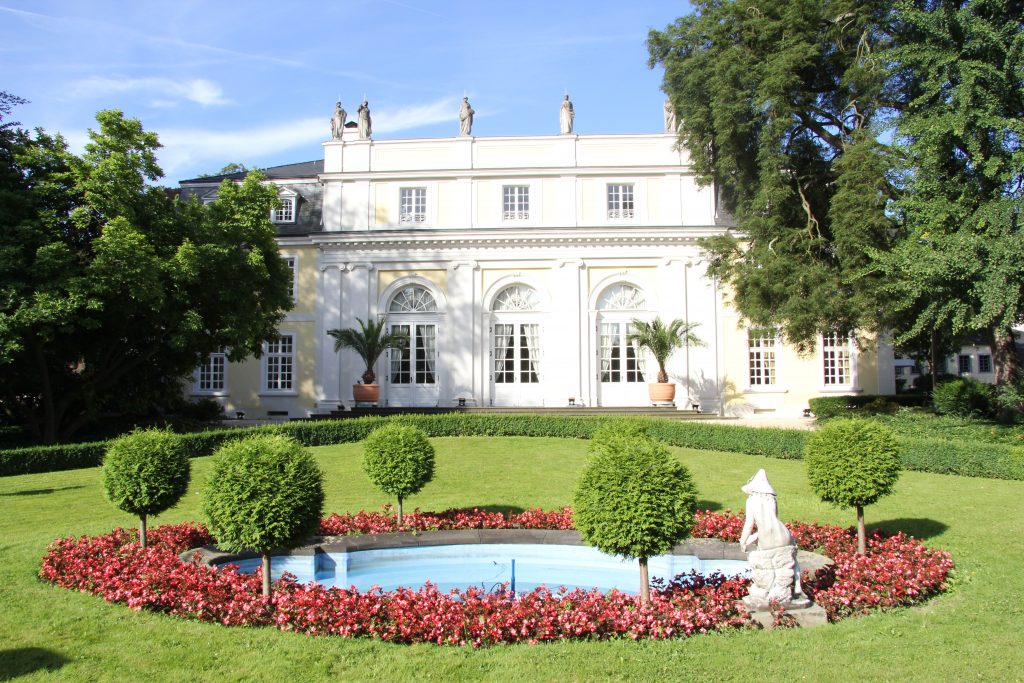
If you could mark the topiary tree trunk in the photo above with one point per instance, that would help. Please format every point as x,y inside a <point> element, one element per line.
<point>862,535</point>
<point>645,583</point>
<point>142,531</point>
<point>399,509</point>
<point>265,557</point>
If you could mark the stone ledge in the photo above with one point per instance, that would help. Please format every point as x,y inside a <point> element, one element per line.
<point>701,548</point>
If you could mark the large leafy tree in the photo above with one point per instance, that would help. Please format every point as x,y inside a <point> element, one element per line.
<point>780,103</point>
<point>111,291</point>
<point>959,265</point>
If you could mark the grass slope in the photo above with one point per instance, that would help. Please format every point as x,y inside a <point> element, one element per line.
<point>48,633</point>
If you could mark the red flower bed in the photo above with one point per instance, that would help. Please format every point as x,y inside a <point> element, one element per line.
<point>897,570</point>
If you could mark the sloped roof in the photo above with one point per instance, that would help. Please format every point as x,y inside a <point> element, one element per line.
<point>303,169</point>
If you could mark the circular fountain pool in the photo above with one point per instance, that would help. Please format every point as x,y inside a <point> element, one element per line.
<point>523,559</point>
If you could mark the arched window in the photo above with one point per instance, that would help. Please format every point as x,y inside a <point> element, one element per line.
<point>413,299</point>
<point>621,297</point>
<point>517,298</point>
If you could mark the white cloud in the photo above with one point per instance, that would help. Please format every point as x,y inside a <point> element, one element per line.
<point>186,149</point>
<point>198,90</point>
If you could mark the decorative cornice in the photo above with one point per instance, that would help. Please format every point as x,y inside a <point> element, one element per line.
<point>505,239</point>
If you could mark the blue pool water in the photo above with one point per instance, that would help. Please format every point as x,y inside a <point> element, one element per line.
<point>486,566</point>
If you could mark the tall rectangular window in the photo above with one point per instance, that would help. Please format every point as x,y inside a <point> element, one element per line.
<point>412,209</point>
<point>835,352</point>
<point>761,354</point>
<point>286,212</point>
<point>280,364</point>
<point>293,266</point>
<point>212,375</point>
<point>984,362</point>
<point>515,202</point>
<point>963,364</point>
<point>620,201</point>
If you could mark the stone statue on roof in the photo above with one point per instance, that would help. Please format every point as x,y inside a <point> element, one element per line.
<point>466,118</point>
<point>566,116</point>
<point>365,126</point>
<point>671,122</point>
<point>338,121</point>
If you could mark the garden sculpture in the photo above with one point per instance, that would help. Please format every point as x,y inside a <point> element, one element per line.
<point>775,574</point>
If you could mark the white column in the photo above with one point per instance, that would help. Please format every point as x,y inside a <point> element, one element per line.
<point>566,340</point>
<point>461,363</point>
<point>674,286</point>
<point>355,303</point>
<point>328,371</point>
<point>704,306</point>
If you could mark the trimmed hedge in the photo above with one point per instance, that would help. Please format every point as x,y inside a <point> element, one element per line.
<point>826,407</point>
<point>941,456</point>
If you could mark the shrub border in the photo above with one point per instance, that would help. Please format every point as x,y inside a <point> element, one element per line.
<point>939,456</point>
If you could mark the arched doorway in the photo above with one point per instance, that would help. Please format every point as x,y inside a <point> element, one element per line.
<point>515,353</point>
<point>621,370</point>
<point>412,371</point>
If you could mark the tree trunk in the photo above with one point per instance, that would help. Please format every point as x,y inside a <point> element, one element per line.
<point>933,358</point>
<point>645,583</point>
<point>142,531</point>
<point>266,574</point>
<point>862,536</point>
<point>1004,357</point>
<point>399,511</point>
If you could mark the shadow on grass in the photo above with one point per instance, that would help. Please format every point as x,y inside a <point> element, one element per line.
<point>41,492</point>
<point>918,527</point>
<point>25,660</point>
<point>712,505</point>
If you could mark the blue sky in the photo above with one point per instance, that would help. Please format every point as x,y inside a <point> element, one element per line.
<point>255,82</point>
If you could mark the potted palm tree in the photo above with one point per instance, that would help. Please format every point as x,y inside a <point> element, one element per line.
<point>369,341</point>
<point>661,340</point>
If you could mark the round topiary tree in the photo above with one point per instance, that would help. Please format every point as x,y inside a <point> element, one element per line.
<point>145,473</point>
<point>399,460</point>
<point>634,500</point>
<point>265,493</point>
<point>853,463</point>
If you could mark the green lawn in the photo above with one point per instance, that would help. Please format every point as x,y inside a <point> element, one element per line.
<point>973,632</point>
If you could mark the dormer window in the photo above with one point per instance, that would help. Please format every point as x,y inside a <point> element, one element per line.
<point>285,213</point>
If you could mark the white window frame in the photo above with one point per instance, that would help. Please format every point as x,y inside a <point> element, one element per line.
<point>271,358</point>
<point>293,262</point>
<point>424,217</point>
<point>843,345</point>
<point>288,211</point>
<point>616,210</point>
<point>964,366</point>
<point>766,353</point>
<point>520,210</point>
<point>218,358</point>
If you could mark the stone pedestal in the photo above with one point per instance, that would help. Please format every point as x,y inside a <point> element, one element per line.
<point>806,617</point>
<point>774,577</point>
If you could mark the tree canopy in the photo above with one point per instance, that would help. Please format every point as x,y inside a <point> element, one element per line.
<point>111,290</point>
<point>778,103</point>
<point>870,155</point>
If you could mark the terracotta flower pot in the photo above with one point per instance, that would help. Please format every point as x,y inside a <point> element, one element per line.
<point>366,393</point>
<point>661,392</point>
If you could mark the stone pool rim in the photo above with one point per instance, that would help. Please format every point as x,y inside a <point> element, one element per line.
<point>701,548</point>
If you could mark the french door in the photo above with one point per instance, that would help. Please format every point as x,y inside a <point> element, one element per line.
<point>412,371</point>
<point>621,369</point>
<point>516,364</point>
